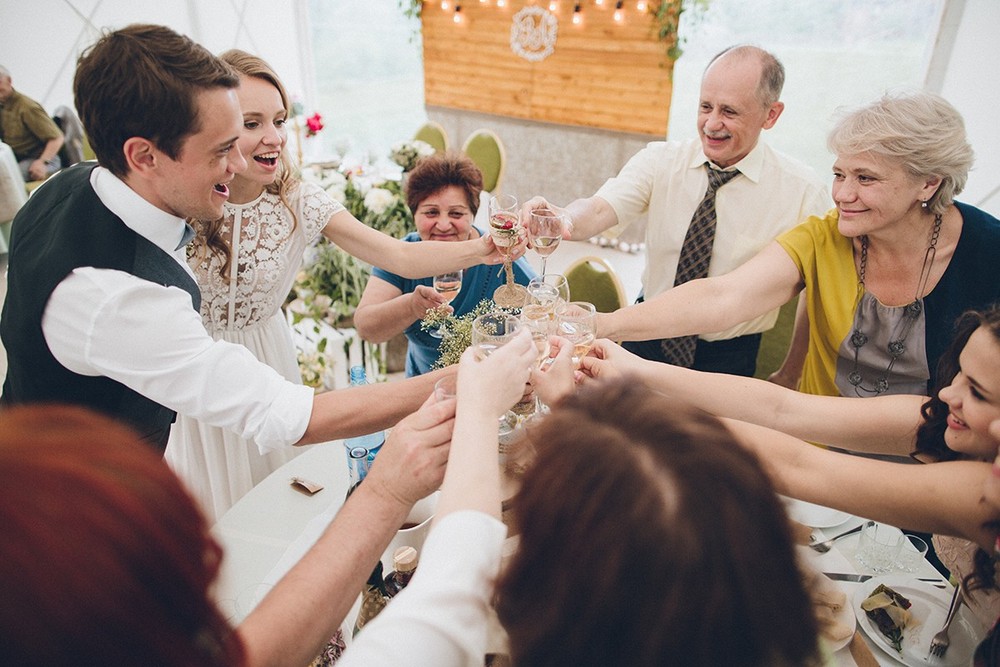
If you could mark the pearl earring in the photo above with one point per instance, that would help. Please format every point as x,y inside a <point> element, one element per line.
<point>923,204</point>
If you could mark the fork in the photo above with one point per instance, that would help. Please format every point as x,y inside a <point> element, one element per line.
<point>824,546</point>
<point>939,644</point>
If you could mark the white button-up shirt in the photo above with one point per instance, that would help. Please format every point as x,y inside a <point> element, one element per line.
<point>667,180</point>
<point>103,322</point>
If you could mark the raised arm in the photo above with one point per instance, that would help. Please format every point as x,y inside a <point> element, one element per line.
<point>307,606</point>
<point>766,281</point>
<point>944,498</point>
<point>884,424</point>
<point>410,260</point>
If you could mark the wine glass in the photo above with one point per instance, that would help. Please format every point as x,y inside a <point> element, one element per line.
<point>505,231</point>
<point>549,290</point>
<point>545,231</point>
<point>576,321</point>
<point>536,319</point>
<point>492,330</point>
<point>447,285</point>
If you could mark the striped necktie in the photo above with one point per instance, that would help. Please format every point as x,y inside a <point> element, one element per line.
<point>696,254</point>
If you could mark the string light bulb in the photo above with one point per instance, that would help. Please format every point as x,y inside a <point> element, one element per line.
<point>641,5</point>
<point>445,5</point>
<point>577,15</point>
<point>619,14</point>
<point>598,2</point>
<point>501,3</point>
<point>553,5</point>
<point>457,18</point>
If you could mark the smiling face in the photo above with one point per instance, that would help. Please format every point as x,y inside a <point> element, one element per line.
<point>444,216</point>
<point>195,185</point>
<point>873,193</point>
<point>263,137</point>
<point>730,115</point>
<point>973,398</point>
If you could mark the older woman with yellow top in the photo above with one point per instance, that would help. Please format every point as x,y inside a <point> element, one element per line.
<point>885,273</point>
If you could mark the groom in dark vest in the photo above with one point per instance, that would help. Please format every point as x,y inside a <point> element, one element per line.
<point>102,309</point>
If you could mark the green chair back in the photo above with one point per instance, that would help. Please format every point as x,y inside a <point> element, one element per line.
<point>774,343</point>
<point>432,133</point>
<point>592,279</point>
<point>485,149</point>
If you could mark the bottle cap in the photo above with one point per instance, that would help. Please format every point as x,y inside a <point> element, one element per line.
<point>404,559</point>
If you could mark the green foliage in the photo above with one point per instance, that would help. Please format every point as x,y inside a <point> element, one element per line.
<point>459,328</point>
<point>329,286</point>
<point>667,19</point>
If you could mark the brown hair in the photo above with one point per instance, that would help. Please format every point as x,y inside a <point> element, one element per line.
<point>105,559</point>
<point>930,442</point>
<point>210,237</point>
<point>647,537</point>
<point>143,81</point>
<point>436,172</point>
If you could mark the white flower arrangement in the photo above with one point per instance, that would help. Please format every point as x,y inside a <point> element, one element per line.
<point>316,366</point>
<point>378,200</point>
<point>407,153</point>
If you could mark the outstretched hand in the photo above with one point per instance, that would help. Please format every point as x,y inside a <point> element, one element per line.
<point>539,202</point>
<point>490,254</point>
<point>608,359</point>
<point>555,379</point>
<point>495,383</point>
<point>411,464</point>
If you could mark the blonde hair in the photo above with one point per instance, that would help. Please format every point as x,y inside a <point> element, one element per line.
<point>921,131</point>
<point>249,65</point>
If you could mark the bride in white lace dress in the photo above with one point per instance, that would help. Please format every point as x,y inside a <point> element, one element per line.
<point>245,264</point>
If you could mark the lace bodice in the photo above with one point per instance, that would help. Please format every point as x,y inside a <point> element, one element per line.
<point>267,253</point>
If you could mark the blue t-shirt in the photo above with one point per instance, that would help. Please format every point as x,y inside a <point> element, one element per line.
<point>478,283</point>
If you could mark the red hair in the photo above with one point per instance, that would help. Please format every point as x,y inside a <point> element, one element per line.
<point>105,558</point>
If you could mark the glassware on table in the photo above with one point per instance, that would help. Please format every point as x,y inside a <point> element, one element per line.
<point>447,285</point>
<point>912,553</point>
<point>545,231</point>
<point>549,290</point>
<point>505,230</point>
<point>878,547</point>
<point>576,321</point>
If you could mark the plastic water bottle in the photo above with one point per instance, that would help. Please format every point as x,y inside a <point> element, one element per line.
<point>361,450</point>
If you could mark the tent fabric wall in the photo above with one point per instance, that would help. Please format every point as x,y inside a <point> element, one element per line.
<point>41,40</point>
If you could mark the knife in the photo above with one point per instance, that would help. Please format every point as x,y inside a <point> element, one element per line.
<point>845,576</point>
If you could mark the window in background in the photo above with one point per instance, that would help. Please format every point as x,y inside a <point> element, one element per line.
<point>369,74</point>
<point>835,54</point>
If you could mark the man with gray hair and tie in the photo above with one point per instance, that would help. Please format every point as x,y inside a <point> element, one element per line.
<point>712,201</point>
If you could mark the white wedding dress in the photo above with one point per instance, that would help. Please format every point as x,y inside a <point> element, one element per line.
<point>217,465</point>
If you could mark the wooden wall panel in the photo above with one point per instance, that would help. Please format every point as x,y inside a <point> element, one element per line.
<point>601,74</point>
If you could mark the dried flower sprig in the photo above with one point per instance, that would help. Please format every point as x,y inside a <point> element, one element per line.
<point>459,328</point>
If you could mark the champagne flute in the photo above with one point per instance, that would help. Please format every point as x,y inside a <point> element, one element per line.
<point>576,321</point>
<point>545,231</point>
<point>535,318</point>
<point>447,285</point>
<point>505,232</point>
<point>489,332</point>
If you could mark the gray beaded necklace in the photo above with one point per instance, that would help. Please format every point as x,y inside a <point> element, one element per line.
<point>897,341</point>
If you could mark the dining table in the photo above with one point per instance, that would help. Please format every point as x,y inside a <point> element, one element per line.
<point>268,530</point>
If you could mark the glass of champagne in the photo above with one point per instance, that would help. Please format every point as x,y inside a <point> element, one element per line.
<point>545,231</point>
<point>505,231</point>
<point>549,290</point>
<point>576,321</point>
<point>489,332</point>
<point>536,319</point>
<point>447,285</point>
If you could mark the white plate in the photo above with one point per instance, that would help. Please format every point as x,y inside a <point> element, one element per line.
<point>814,516</point>
<point>930,606</point>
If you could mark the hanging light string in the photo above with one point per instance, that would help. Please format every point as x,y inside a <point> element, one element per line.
<point>619,15</point>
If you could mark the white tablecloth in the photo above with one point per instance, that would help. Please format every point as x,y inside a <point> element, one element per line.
<point>270,528</point>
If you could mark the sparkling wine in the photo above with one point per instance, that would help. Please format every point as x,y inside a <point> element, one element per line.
<point>546,245</point>
<point>582,347</point>
<point>449,289</point>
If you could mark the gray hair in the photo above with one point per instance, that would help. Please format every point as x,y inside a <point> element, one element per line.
<point>772,72</point>
<point>921,131</point>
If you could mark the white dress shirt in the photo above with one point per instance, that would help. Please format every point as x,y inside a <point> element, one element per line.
<point>667,180</point>
<point>103,322</point>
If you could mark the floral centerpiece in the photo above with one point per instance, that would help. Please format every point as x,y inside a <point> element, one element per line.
<point>459,328</point>
<point>407,153</point>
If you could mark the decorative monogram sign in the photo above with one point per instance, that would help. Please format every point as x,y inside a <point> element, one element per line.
<point>533,33</point>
